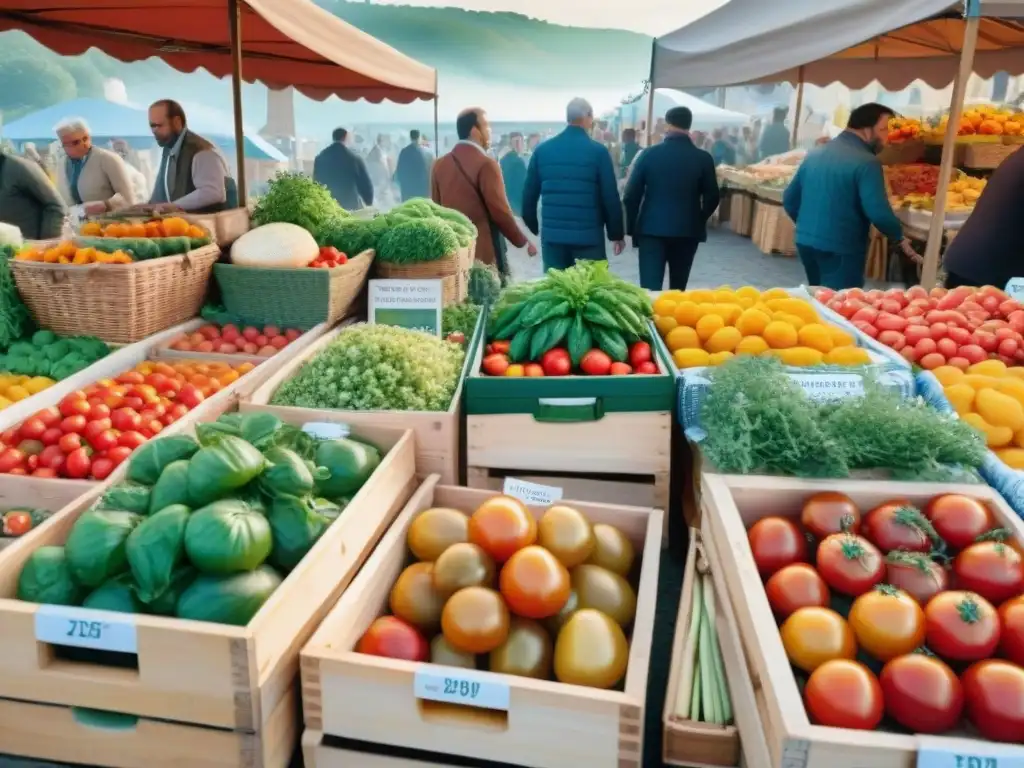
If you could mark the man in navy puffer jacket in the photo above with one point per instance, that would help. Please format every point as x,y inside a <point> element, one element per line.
<point>573,175</point>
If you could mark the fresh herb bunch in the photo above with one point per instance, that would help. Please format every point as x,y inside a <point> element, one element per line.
<point>377,367</point>
<point>353,235</point>
<point>460,317</point>
<point>419,208</point>
<point>484,283</point>
<point>295,198</point>
<point>15,319</point>
<point>417,241</point>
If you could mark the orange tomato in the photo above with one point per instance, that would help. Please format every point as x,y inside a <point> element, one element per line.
<point>227,377</point>
<point>244,368</point>
<point>475,620</point>
<point>501,526</point>
<point>813,635</point>
<point>887,622</point>
<point>534,583</point>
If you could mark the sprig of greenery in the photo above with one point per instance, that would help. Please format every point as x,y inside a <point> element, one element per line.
<point>295,198</point>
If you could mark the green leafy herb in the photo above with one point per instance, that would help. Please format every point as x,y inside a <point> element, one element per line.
<point>295,198</point>
<point>417,241</point>
<point>460,318</point>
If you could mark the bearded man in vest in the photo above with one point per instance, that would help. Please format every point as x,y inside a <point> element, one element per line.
<point>193,175</point>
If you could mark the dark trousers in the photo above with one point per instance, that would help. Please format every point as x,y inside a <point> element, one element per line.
<point>833,270</point>
<point>657,253</point>
<point>559,256</point>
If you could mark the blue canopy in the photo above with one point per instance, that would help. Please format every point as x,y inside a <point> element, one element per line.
<point>110,120</point>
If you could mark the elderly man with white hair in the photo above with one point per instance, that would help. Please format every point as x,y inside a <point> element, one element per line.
<point>572,178</point>
<point>91,177</point>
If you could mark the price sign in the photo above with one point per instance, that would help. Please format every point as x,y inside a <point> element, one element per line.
<point>326,430</point>
<point>412,304</point>
<point>936,753</point>
<point>829,387</point>
<point>460,686</point>
<point>1015,288</point>
<point>531,493</point>
<point>86,628</point>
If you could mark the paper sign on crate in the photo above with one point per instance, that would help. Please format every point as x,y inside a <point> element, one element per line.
<point>531,493</point>
<point>86,628</point>
<point>1015,288</point>
<point>459,686</point>
<point>936,753</point>
<point>412,304</point>
<point>326,430</point>
<point>835,386</point>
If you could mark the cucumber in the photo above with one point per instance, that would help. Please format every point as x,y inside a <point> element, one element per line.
<point>580,339</point>
<point>507,323</point>
<point>611,342</point>
<point>547,335</point>
<point>173,246</point>
<point>561,309</point>
<point>535,312</point>
<point>595,314</point>
<point>520,346</point>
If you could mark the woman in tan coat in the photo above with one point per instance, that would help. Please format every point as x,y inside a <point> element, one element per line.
<point>92,177</point>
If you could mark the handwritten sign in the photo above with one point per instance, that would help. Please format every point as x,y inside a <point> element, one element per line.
<point>936,753</point>
<point>531,493</point>
<point>1015,288</point>
<point>412,304</point>
<point>86,628</point>
<point>830,387</point>
<point>326,430</point>
<point>460,686</point>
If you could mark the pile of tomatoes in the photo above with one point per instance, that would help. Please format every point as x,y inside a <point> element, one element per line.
<point>915,614</point>
<point>91,431</point>
<point>503,591</point>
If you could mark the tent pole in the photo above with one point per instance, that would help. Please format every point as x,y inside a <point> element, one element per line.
<point>235,34</point>
<point>650,95</point>
<point>437,132</point>
<point>929,272</point>
<point>799,107</point>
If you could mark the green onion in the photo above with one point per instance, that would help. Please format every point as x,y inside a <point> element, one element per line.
<point>684,696</point>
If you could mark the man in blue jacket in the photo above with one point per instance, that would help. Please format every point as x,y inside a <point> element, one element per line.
<point>573,179</point>
<point>836,195</point>
<point>669,198</point>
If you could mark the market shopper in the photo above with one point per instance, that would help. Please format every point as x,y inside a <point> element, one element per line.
<point>513,170</point>
<point>837,193</point>
<point>571,178</point>
<point>344,173</point>
<point>413,171</point>
<point>469,180</point>
<point>28,200</point>
<point>630,149</point>
<point>92,177</point>
<point>775,139</point>
<point>987,250</point>
<point>193,174</point>
<point>670,195</point>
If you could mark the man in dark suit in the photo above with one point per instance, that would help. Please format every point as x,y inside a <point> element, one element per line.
<point>413,171</point>
<point>669,198</point>
<point>344,173</point>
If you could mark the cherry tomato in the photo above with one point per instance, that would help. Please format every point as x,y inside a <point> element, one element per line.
<point>992,569</point>
<point>101,468</point>
<point>475,620</point>
<point>18,471</point>
<point>52,436</point>
<point>10,437</point>
<point>922,693</point>
<point>812,636</point>
<point>98,411</point>
<point>534,583</point>
<point>93,428</point>
<point>958,520</point>
<point>796,586</point>
<point>829,512</point>
<point>126,419</point>
<point>190,396</point>
<point>887,622</point>
<point>74,404</point>
<point>844,694</point>
<point>850,564</point>
<point>74,423</point>
<point>49,416</point>
<point>78,464</point>
<point>70,442</point>
<point>31,462</point>
<point>119,454</point>
<point>104,441</point>
<point>916,574</point>
<point>10,459</point>
<point>898,525</point>
<point>52,457</point>
<point>1011,636</point>
<point>131,439</point>
<point>44,472</point>
<point>16,523</point>
<point>775,543</point>
<point>131,377</point>
<point>961,626</point>
<point>33,429</point>
<point>134,402</point>
<point>994,696</point>
<point>501,526</point>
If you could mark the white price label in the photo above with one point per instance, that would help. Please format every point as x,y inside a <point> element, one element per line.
<point>1015,288</point>
<point>326,430</point>
<point>459,686</point>
<point>936,753</point>
<point>86,628</point>
<point>531,493</point>
<point>837,386</point>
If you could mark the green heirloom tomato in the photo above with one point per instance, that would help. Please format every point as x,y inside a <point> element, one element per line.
<point>350,463</point>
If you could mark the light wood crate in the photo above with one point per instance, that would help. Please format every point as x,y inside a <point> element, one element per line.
<point>40,493</point>
<point>548,724</point>
<point>63,734</point>
<point>198,672</point>
<point>741,213</point>
<point>317,752</point>
<point>437,432</point>
<point>731,504</point>
<point>772,230</point>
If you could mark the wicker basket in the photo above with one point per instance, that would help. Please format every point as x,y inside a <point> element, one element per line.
<point>985,156</point>
<point>225,227</point>
<point>292,298</point>
<point>119,303</point>
<point>452,271</point>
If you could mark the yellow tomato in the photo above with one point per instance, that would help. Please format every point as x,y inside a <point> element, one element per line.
<point>682,338</point>
<point>515,370</point>
<point>813,635</point>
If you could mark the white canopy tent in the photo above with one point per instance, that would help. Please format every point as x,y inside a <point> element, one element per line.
<point>854,42</point>
<point>705,116</point>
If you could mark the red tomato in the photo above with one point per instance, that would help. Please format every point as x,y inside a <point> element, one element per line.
<point>1011,635</point>
<point>961,626</point>
<point>958,520</point>
<point>44,472</point>
<point>126,419</point>
<point>190,396</point>
<point>178,410</point>
<point>93,428</point>
<point>10,459</point>
<point>18,471</point>
<point>776,542</point>
<point>844,694</point>
<point>49,416</point>
<point>501,526</point>
<point>922,693</point>
<point>70,442</point>
<point>992,569</point>
<point>33,429</point>
<point>620,369</point>
<point>119,454</point>
<point>104,441</point>
<point>72,405</point>
<point>152,428</point>
<point>134,402</point>
<point>555,362</point>
<point>640,352</point>
<point>210,332</point>
<point>648,368</point>
<point>73,424</point>
<point>391,637</point>
<point>98,411</point>
<point>916,574</point>
<point>78,464</point>
<point>994,695</point>
<point>828,512</point>
<point>898,525</point>
<point>101,468</point>
<point>131,439</point>
<point>850,564</point>
<point>793,587</point>
<point>10,437</point>
<point>534,583</point>
<point>532,370</point>
<point>131,377</point>
<point>596,363</point>
<point>52,457</point>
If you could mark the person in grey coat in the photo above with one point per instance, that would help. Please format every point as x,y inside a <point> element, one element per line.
<point>344,173</point>
<point>28,200</point>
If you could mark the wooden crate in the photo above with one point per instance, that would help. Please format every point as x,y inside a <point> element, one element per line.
<point>39,493</point>
<point>196,672</point>
<point>437,432</point>
<point>63,734</point>
<point>772,230</point>
<point>741,213</point>
<point>731,503</point>
<point>548,724</point>
<point>317,752</point>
